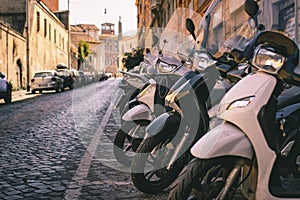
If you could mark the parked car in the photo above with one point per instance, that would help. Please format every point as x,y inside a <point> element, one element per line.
<point>5,89</point>
<point>102,76</point>
<point>69,80</point>
<point>46,80</point>
<point>75,74</point>
<point>82,78</point>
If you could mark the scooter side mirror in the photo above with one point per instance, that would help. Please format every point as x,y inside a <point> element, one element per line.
<point>190,26</point>
<point>251,8</point>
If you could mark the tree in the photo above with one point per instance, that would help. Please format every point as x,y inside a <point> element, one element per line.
<point>133,58</point>
<point>83,52</point>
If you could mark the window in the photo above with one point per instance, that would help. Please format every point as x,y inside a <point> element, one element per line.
<point>49,31</point>
<point>37,21</point>
<point>63,43</point>
<point>54,36</point>
<point>45,27</point>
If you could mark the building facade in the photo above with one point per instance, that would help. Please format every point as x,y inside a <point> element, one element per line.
<point>87,33</point>
<point>158,13</point>
<point>109,49</point>
<point>45,43</point>
<point>13,56</point>
<point>126,44</point>
<point>48,38</point>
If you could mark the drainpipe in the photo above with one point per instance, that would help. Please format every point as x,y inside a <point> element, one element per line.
<point>7,74</point>
<point>27,46</point>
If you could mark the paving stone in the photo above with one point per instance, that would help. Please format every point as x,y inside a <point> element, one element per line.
<point>45,139</point>
<point>13,197</point>
<point>42,191</point>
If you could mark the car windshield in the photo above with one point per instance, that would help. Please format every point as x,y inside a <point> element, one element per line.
<point>42,74</point>
<point>226,25</point>
<point>63,73</point>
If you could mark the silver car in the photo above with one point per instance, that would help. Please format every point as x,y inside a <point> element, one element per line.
<point>46,80</point>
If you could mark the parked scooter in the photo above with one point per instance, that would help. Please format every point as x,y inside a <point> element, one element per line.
<point>256,148</point>
<point>132,84</point>
<point>148,104</point>
<point>165,151</point>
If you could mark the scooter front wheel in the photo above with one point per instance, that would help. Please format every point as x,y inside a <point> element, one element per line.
<point>149,171</point>
<point>203,179</point>
<point>125,145</point>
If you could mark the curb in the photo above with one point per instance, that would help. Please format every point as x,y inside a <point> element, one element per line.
<point>21,94</point>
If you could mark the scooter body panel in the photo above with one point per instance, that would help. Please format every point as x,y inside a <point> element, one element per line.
<point>260,86</point>
<point>149,97</point>
<point>139,112</point>
<point>225,139</point>
<point>162,124</point>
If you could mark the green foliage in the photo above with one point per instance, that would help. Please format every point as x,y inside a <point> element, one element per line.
<point>83,52</point>
<point>133,58</point>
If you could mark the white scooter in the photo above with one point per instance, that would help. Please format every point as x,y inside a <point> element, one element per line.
<point>132,84</point>
<point>256,149</point>
<point>148,104</point>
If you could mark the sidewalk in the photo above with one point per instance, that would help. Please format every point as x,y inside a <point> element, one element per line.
<point>22,94</point>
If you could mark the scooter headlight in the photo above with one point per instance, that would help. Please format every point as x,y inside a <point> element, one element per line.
<point>240,103</point>
<point>147,90</point>
<point>172,98</point>
<point>165,67</point>
<point>202,60</point>
<point>267,59</point>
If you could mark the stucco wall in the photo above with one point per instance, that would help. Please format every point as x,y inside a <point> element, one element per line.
<point>49,43</point>
<point>13,56</point>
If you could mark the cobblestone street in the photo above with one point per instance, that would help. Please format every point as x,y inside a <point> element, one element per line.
<point>59,146</point>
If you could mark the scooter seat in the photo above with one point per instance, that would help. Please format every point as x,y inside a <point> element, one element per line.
<point>289,96</point>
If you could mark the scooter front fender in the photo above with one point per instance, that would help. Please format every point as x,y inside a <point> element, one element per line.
<point>163,124</point>
<point>139,112</point>
<point>223,140</point>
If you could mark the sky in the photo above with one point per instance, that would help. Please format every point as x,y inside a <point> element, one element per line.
<point>92,12</point>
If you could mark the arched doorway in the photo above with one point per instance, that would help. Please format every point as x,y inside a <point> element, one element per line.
<point>20,78</point>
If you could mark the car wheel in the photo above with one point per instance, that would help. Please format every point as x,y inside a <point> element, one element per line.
<point>7,98</point>
<point>33,91</point>
<point>71,86</point>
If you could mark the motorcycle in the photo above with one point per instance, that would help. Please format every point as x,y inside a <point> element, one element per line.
<point>148,104</point>
<point>255,150</point>
<point>165,151</point>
